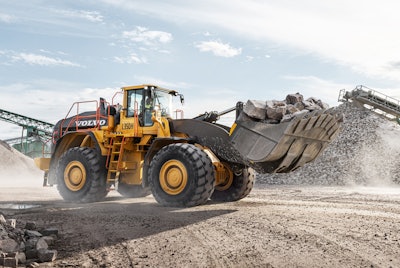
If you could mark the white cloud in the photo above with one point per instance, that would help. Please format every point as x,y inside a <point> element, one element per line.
<point>219,49</point>
<point>144,79</point>
<point>92,16</point>
<point>6,18</point>
<point>35,59</point>
<point>132,58</point>
<point>361,35</point>
<point>147,37</point>
<point>40,101</point>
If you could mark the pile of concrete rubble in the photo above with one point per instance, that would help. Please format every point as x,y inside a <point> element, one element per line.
<point>366,152</point>
<point>274,112</point>
<point>26,246</point>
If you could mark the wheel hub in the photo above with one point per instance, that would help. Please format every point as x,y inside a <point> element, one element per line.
<point>75,176</point>
<point>173,177</point>
<point>225,177</point>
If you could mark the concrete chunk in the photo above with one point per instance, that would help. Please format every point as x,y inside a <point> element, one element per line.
<point>291,109</point>
<point>31,243</point>
<point>21,257</point>
<point>30,225</point>
<point>50,231</point>
<point>31,233</point>
<point>294,98</point>
<point>12,222</point>
<point>255,109</point>
<point>9,262</point>
<point>49,240</point>
<point>41,244</point>
<point>2,219</point>
<point>31,254</point>
<point>275,110</point>
<point>8,245</point>
<point>46,255</point>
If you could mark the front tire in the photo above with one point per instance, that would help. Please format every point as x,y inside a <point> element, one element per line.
<point>181,175</point>
<point>81,175</point>
<point>237,189</point>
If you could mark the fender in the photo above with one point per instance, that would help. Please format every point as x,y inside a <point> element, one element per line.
<point>70,140</point>
<point>156,145</point>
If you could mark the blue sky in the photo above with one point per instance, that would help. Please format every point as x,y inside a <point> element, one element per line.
<point>216,53</point>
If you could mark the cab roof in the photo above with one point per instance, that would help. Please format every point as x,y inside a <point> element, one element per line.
<point>172,92</point>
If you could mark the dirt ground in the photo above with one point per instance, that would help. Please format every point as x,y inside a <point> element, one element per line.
<point>276,226</point>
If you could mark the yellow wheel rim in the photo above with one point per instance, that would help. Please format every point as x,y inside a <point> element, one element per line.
<point>173,177</point>
<point>226,179</point>
<point>75,176</point>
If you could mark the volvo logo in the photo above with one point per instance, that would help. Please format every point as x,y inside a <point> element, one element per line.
<point>91,123</point>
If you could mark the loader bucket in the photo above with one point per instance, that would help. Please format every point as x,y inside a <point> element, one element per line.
<point>286,146</point>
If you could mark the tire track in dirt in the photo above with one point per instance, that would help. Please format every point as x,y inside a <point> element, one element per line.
<point>275,227</point>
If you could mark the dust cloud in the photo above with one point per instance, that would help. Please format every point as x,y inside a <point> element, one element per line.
<point>17,170</point>
<point>380,160</point>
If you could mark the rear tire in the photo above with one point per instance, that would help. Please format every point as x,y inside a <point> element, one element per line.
<point>181,175</point>
<point>132,191</point>
<point>241,186</point>
<point>81,175</point>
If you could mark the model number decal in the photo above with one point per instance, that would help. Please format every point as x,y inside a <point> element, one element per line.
<point>127,125</point>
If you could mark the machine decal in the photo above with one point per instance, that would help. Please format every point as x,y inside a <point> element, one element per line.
<point>127,126</point>
<point>91,123</point>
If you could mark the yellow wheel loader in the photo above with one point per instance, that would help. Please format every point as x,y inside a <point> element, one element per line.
<point>138,149</point>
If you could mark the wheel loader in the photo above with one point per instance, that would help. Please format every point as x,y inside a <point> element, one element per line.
<point>138,149</point>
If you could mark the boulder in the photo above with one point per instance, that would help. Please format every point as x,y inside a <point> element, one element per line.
<point>255,109</point>
<point>47,255</point>
<point>294,98</point>
<point>9,245</point>
<point>275,110</point>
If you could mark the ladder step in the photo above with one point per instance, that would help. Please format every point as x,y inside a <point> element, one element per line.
<point>114,158</point>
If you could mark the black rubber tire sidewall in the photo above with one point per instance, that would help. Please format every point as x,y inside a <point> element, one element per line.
<point>200,184</point>
<point>241,187</point>
<point>95,186</point>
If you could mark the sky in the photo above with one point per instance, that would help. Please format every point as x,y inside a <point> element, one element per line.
<point>216,53</point>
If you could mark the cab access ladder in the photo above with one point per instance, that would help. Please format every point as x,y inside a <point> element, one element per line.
<point>114,158</point>
<point>373,100</point>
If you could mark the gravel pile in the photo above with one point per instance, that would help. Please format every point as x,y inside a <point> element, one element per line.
<point>366,152</point>
<point>17,170</point>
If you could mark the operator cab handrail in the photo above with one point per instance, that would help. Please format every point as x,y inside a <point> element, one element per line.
<point>102,112</point>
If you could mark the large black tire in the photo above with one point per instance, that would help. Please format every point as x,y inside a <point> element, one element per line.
<point>132,191</point>
<point>241,186</point>
<point>181,175</point>
<point>81,175</point>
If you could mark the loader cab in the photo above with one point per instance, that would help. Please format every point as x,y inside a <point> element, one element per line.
<point>144,101</point>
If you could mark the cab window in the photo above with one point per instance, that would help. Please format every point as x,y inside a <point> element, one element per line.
<point>135,98</point>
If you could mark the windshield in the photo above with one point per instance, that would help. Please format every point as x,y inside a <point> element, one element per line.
<point>163,101</point>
